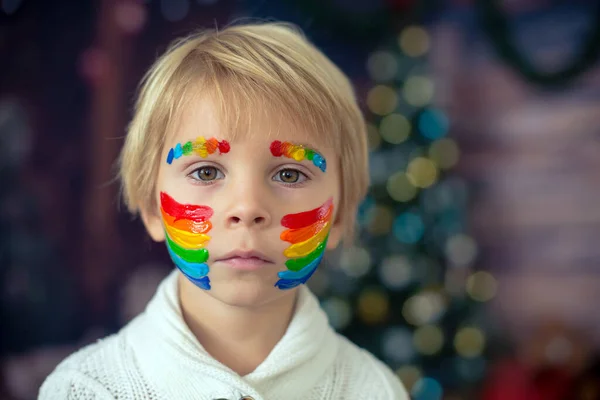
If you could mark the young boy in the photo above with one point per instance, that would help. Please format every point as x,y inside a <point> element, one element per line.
<point>247,156</point>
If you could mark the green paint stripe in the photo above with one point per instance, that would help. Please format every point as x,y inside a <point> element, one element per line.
<point>187,148</point>
<point>296,264</point>
<point>193,256</point>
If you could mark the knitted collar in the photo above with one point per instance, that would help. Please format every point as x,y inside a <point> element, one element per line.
<point>294,366</point>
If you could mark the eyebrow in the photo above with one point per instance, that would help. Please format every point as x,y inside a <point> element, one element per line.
<point>200,146</point>
<point>298,152</point>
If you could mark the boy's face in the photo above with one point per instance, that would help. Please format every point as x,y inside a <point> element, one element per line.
<point>234,211</point>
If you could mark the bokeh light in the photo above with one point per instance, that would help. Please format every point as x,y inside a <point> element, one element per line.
<point>461,250</point>
<point>373,305</point>
<point>10,6</point>
<point>373,137</point>
<point>397,344</point>
<point>395,271</point>
<point>394,128</point>
<point>408,227</point>
<point>382,66</point>
<point>382,100</point>
<point>409,375</point>
<point>427,389</point>
<point>130,16</point>
<point>433,123</point>
<point>423,308</point>
<point>338,311</point>
<point>469,342</point>
<point>94,65</point>
<point>418,90</point>
<point>444,152</point>
<point>422,172</point>
<point>379,220</point>
<point>355,261</point>
<point>481,286</point>
<point>414,41</point>
<point>400,187</point>
<point>174,10</point>
<point>428,339</point>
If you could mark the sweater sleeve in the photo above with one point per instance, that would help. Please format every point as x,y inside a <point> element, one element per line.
<point>72,385</point>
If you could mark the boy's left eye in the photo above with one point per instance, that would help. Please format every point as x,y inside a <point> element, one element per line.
<point>290,176</point>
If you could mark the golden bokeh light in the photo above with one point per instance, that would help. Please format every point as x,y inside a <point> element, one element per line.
<point>444,152</point>
<point>380,220</point>
<point>373,305</point>
<point>418,90</point>
<point>428,339</point>
<point>382,100</point>
<point>482,286</point>
<point>414,41</point>
<point>400,187</point>
<point>469,342</point>
<point>409,375</point>
<point>422,172</point>
<point>394,128</point>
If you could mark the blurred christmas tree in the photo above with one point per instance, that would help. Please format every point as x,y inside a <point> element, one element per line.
<point>406,291</point>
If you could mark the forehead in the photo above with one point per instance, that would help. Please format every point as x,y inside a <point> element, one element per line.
<point>242,119</point>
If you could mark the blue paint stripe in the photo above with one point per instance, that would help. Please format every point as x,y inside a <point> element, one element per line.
<point>285,284</point>
<point>202,283</point>
<point>291,275</point>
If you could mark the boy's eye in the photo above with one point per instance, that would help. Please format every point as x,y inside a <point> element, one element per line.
<point>207,174</point>
<point>290,176</point>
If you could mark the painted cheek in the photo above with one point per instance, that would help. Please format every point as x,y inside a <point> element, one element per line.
<point>307,233</point>
<point>186,228</point>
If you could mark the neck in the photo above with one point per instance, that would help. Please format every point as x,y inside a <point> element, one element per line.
<point>239,337</point>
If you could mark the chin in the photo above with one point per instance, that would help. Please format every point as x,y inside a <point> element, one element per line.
<point>247,292</point>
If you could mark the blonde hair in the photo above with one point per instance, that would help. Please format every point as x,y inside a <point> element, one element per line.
<point>242,67</point>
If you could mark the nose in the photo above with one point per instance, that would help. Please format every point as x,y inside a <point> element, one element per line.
<point>248,210</point>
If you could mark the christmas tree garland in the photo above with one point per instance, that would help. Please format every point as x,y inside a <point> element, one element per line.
<point>496,26</point>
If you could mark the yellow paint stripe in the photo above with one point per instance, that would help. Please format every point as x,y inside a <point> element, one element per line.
<point>187,240</point>
<point>303,248</point>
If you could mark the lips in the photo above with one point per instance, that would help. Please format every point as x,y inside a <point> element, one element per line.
<point>245,260</point>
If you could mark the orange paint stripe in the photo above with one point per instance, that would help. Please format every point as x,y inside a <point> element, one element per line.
<point>186,224</point>
<point>300,235</point>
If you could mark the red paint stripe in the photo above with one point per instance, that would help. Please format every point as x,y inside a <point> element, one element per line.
<point>300,220</point>
<point>276,148</point>
<point>184,211</point>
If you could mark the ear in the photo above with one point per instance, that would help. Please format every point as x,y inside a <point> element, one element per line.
<point>154,225</point>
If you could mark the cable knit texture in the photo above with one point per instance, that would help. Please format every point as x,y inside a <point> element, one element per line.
<point>157,357</point>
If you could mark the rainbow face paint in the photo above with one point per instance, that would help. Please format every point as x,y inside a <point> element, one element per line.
<point>200,146</point>
<point>186,228</point>
<point>298,152</point>
<point>307,232</point>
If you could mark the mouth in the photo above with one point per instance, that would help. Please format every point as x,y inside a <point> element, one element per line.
<point>245,260</point>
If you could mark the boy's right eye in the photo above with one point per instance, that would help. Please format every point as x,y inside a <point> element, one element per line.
<point>207,174</point>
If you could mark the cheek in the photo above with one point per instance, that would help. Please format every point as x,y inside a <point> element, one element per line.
<point>307,233</point>
<point>187,230</point>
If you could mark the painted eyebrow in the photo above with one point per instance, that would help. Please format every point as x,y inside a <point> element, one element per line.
<point>199,146</point>
<point>298,152</point>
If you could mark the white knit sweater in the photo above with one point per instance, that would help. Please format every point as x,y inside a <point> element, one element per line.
<point>157,357</point>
